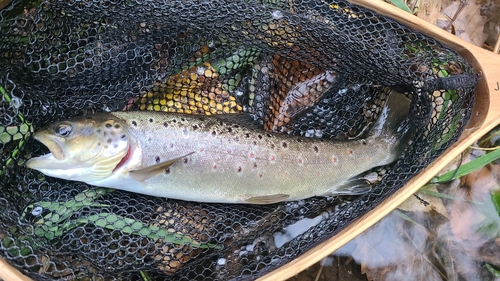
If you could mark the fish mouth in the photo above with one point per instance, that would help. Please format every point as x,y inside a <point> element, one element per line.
<point>56,153</point>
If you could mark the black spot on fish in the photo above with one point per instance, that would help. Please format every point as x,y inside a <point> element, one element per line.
<point>157,159</point>
<point>134,123</point>
<point>124,136</point>
<point>183,119</point>
<point>229,130</point>
<point>254,142</point>
<point>151,120</point>
<point>364,142</point>
<point>195,127</point>
<point>98,144</point>
<point>98,131</point>
<point>214,133</point>
<point>284,144</point>
<point>117,126</point>
<point>247,135</point>
<point>167,171</point>
<point>109,140</point>
<point>173,120</point>
<point>89,117</point>
<point>299,140</point>
<point>236,126</point>
<point>255,165</point>
<point>108,125</point>
<point>106,146</point>
<point>165,124</point>
<point>239,169</point>
<point>259,136</point>
<point>273,146</point>
<point>316,149</point>
<point>268,135</point>
<point>185,160</point>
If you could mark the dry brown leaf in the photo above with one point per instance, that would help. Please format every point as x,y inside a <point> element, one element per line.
<point>465,215</point>
<point>469,24</point>
<point>412,204</point>
<point>429,10</point>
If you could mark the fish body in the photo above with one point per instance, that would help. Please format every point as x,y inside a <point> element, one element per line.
<point>213,159</point>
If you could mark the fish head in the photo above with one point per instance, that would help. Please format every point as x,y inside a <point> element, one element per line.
<point>86,148</point>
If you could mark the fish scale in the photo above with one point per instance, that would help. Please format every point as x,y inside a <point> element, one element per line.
<point>216,159</point>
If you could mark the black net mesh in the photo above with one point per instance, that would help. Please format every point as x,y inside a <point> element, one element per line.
<point>66,58</point>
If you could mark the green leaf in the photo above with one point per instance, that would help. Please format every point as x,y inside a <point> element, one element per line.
<point>406,217</point>
<point>493,271</point>
<point>495,198</point>
<point>401,4</point>
<point>132,226</point>
<point>468,168</point>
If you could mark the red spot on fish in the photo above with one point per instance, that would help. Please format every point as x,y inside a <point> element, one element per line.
<point>285,174</point>
<point>171,145</point>
<point>214,166</point>
<point>334,160</point>
<point>377,147</point>
<point>272,158</point>
<point>255,165</point>
<point>300,161</point>
<point>260,176</point>
<point>251,155</point>
<point>350,152</point>
<point>201,149</point>
<point>124,159</point>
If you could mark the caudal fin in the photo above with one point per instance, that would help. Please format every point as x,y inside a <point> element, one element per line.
<point>392,119</point>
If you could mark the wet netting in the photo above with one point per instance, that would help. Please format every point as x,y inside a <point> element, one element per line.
<point>311,68</point>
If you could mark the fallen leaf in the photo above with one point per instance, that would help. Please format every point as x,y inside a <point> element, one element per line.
<point>429,10</point>
<point>427,203</point>
<point>469,23</point>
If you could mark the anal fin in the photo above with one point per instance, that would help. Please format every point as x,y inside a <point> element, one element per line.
<point>268,199</point>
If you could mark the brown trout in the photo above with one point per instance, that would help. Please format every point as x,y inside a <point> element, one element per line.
<point>213,158</point>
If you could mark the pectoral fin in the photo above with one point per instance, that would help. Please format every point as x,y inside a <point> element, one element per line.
<point>151,171</point>
<point>269,199</point>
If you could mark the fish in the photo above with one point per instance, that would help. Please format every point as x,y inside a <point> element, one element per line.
<point>216,159</point>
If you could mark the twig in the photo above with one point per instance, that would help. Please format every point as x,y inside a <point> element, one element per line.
<point>319,272</point>
<point>463,3</point>
<point>497,45</point>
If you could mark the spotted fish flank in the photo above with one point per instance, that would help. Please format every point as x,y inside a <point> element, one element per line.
<point>214,158</point>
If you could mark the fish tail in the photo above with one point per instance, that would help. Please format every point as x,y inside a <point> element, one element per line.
<point>393,121</point>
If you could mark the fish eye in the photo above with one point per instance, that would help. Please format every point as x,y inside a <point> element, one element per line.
<point>63,129</point>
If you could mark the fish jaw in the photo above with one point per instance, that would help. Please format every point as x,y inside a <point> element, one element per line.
<point>56,159</point>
